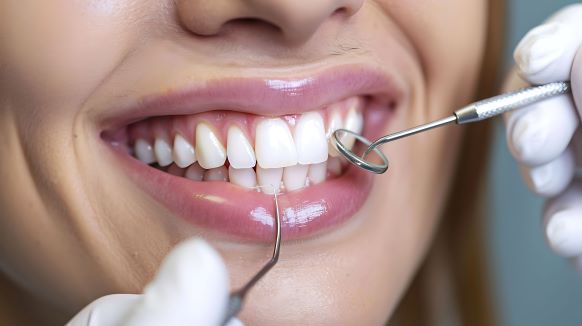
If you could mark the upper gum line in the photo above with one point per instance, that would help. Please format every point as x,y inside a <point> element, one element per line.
<point>168,128</point>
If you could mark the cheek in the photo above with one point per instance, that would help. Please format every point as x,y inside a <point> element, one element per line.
<point>49,47</point>
<point>448,37</point>
<point>53,54</point>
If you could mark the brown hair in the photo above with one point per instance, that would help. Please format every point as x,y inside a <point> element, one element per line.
<point>452,285</point>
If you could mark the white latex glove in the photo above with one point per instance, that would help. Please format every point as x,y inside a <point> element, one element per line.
<point>191,288</point>
<point>543,138</point>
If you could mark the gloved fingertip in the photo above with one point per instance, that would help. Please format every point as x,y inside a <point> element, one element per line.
<point>550,179</point>
<point>526,137</point>
<point>194,259</point>
<point>564,233</point>
<point>540,48</point>
<point>542,131</point>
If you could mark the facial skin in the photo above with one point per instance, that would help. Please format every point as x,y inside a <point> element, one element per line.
<point>73,227</point>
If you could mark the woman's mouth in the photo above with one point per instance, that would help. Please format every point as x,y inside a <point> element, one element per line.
<point>214,155</point>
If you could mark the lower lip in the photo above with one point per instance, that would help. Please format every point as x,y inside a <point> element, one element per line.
<point>248,214</point>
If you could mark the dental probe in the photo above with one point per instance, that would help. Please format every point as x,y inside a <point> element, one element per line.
<point>237,297</point>
<point>474,112</point>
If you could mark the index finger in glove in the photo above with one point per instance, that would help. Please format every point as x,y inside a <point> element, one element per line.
<point>547,52</point>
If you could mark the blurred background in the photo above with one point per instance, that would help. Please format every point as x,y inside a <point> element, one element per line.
<point>533,286</point>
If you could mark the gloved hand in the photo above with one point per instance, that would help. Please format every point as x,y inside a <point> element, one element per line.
<point>543,138</point>
<point>191,288</point>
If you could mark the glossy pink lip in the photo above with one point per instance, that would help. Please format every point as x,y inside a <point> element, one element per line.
<point>246,213</point>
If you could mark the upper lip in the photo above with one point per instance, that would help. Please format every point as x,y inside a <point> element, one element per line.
<point>261,95</point>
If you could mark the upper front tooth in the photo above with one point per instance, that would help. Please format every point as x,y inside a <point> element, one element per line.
<point>238,149</point>
<point>210,152</point>
<point>163,152</point>
<point>274,144</point>
<point>184,154</point>
<point>310,139</point>
<point>144,151</point>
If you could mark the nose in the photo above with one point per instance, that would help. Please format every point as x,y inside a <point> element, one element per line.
<point>297,20</point>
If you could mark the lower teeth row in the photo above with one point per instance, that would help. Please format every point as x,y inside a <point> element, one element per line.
<point>287,179</point>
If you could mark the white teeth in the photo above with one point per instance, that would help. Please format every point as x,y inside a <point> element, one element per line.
<point>355,123</point>
<point>216,174</point>
<point>184,154</point>
<point>281,159</point>
<point>163,152</point>
<point>317,172</point>
<point>195,172</point>
<point>310,139</point>
<point>209,149</point>
<point>239,151</point>
<point>242,177</point>
<point>294,177</point>
<point>274,145</point>
<point>269,179</point>
<point>334,123</point>
<point>144,151</point>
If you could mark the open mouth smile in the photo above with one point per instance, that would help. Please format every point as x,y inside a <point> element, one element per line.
<point>213,155</point>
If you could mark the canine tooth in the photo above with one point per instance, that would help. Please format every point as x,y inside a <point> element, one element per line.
<point>163,152</point>
<point>217,174</point>
<point>294,177</point>
<point>242,177</point>
<point>355,123</point>
<point>274,145</point>
<point>334,123</point>
<point>239,151</point>
<point>317,172</point>
<point>334,165</point>
<point>184,153</point>
<point>310,139</point>
<point>144,151</point>
<point>269,179</point>
<point>209,149</point>
<point>195,172</point>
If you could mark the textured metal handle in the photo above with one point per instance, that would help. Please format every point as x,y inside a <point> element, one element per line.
<point>509,101</point>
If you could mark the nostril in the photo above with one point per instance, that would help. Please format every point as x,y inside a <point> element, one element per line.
<point>340,12</point>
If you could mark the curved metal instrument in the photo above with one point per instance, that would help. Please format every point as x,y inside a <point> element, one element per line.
<point>477,111</point>
<point>237,297</point>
